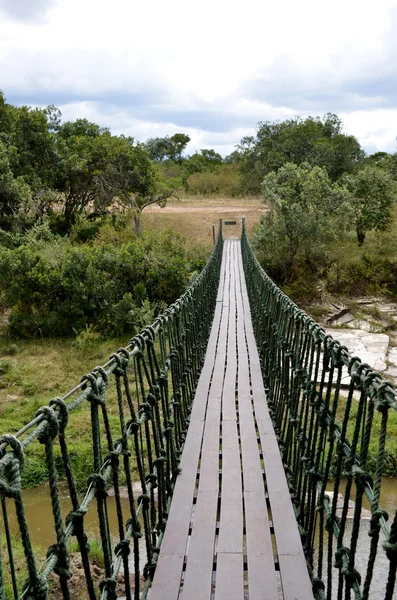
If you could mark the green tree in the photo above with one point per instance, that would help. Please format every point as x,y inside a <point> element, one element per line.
<point>306,211</point>
<point>96,169</point>
<point>205,161</point>
<point>313,140</point>
<point>167,148</point>
<point>372,195</point>
<point>179,142</point>
<point>15,193</point>
<point>35,155</point>
<point>134,182</point>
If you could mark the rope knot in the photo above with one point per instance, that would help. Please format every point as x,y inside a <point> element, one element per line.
<point>50,426</point>
<point>101,371</point>
<point>99,483</point>
<point>390,549</point>
<point>148,570</point>
<point>11,466</point>
<point>147,410</point>
<point>145,500</point>
<point>63,563</point>
<point>76,518</point>
<point>135,528</point>
<point>123,548</point>
<point>93,395</point>
<point>151,399</point>
<point>375,521</point>
<point>352,576</point>
<point>330,522</point>
<point>109,585</point>
<point>63,412</point>
<point>113,456</point>
<point>36,590</point>
<point>360,476</point>
<point>168,431</point>
<point>313,474</point>
<point>152,479</point>
<point>133,426</point>
<point>161,525</point>
<point>124,356</point>
<point>118,370</point>
<point>384,396</point>
<point>16,446</point>
<point>339,554</point>
<point>317,584</point>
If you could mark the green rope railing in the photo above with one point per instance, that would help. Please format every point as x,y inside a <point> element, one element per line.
<point>324,426</point>
<point>154,380</point>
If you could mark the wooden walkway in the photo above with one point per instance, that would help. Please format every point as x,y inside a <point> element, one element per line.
<point>231,533</point>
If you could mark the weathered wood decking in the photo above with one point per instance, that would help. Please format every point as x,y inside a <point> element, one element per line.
<point>231,533</point>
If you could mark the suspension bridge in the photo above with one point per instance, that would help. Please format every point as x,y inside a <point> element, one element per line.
<point>255,440</point>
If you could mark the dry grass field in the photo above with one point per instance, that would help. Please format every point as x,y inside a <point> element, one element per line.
<point>194,217</point>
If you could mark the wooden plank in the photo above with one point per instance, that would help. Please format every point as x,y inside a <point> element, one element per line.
<point>229,577</point>
<point>222,277</point>
<point>170,564</point>
<point>199,567</point>
<point>229,393</point>
<point>167,579</point>
<point>209,465</point>
<point>260,556</point>
<point>294,575</point>
<point>289,546</point>
<point>218,376</point>
<point>204,436</point>
<point>231,518</point>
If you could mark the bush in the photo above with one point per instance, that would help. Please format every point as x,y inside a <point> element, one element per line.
<point>224,180</point>
<point>60,290</point>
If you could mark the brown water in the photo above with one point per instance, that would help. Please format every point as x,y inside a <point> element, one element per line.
<point>388,496</point>
<point>41,525</point>
<point>37,502</point>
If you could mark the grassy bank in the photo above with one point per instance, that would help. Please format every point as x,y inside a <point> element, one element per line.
<point>33,372</point>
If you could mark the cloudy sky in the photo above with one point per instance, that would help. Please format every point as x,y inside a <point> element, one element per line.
<point>211,69</point>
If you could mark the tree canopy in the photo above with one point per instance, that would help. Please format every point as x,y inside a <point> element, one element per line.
<point>306,210</point>
<point>315,141</point>
<point>70,168</point>
<point>372,195</point>
<point>167,148</point>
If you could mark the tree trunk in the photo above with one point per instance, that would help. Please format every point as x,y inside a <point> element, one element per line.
<point>137,222</point>
<point>360,237</point>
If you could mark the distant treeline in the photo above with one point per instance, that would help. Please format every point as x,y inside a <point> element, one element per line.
<point>64,185</point>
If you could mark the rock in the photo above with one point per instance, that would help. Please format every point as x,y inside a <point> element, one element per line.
<point>368,300</point>
<point>136,490</point>
<point>392,356</point>
<point>392,373</point>
<point>370,347</point>
<point>359,324</point>
<point>340,318</point>
<point>387,307</point>
<point>365,513</point>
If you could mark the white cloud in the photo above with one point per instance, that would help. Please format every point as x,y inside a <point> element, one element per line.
<point>376,129</point>
<point>211,69</point>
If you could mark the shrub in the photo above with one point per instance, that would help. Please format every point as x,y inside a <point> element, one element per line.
<point>61,290</point>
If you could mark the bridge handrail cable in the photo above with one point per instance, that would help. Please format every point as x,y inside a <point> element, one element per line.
<point>154,403</point>
<point>303,368</point>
